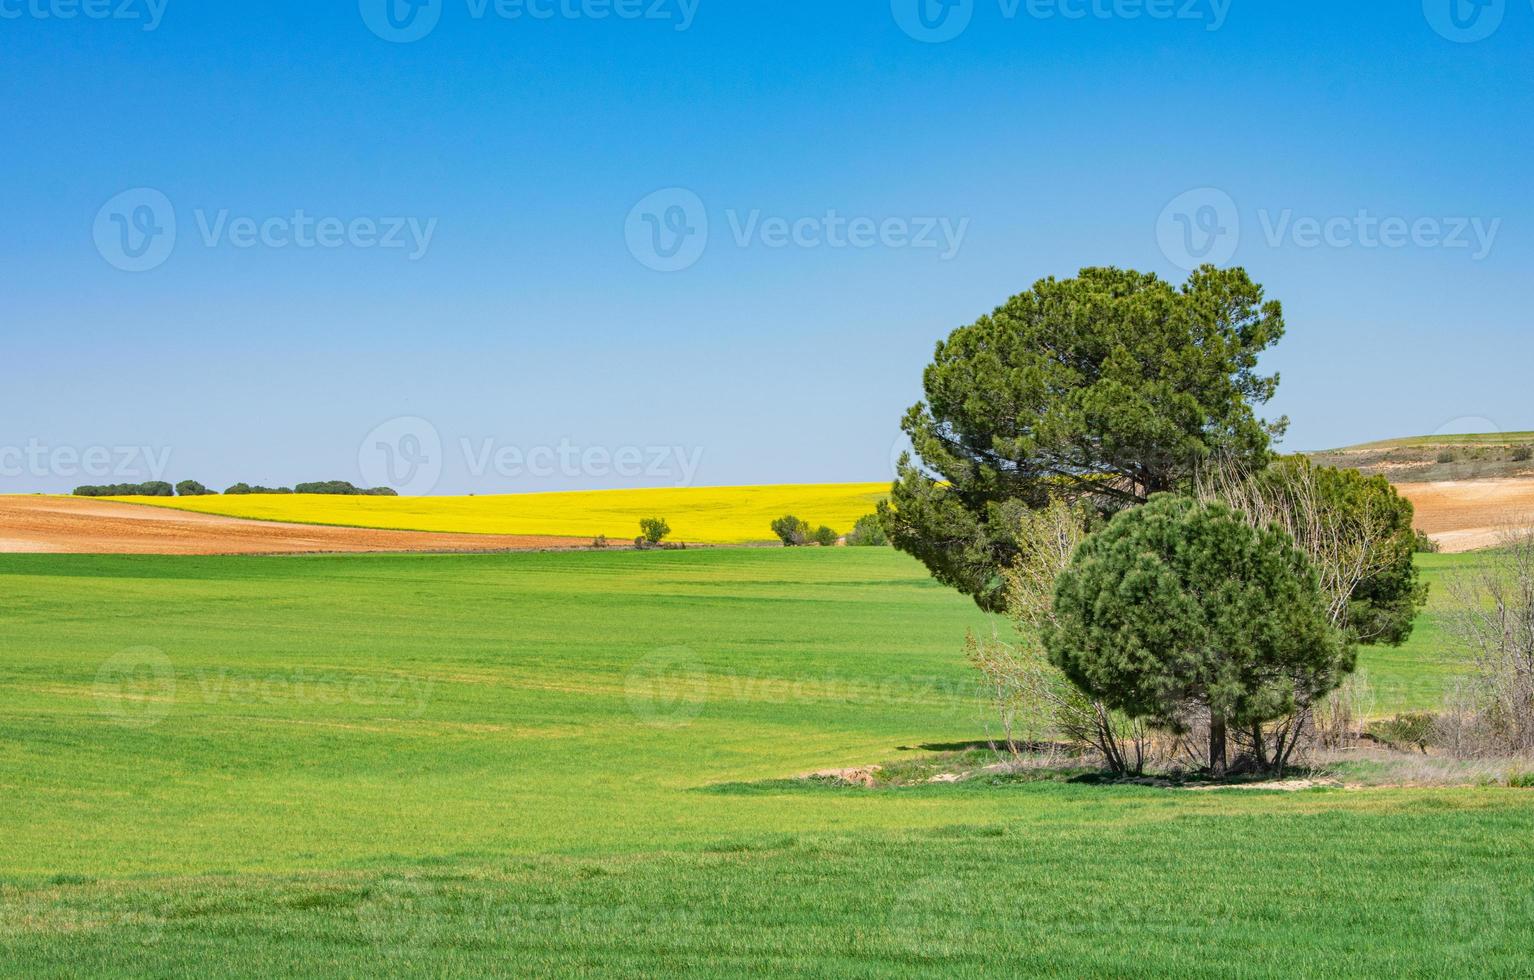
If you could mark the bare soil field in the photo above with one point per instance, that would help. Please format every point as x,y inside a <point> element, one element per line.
<point>1466,515</point>
<point>1461,515</point>
<point>74,525</point>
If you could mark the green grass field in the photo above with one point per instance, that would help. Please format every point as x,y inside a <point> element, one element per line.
<point>556,764</point>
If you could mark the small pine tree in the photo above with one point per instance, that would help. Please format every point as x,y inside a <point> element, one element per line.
<point>1179,605</point>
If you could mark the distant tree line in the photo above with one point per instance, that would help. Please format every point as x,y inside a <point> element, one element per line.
<point>192,488</point>
<point>155,488</point>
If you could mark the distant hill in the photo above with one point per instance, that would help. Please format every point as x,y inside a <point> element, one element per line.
<point>1432,459</point>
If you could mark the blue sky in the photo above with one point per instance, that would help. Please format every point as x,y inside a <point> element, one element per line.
<point>489,268</point>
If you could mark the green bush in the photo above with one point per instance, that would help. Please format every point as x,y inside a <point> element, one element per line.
<point>825,537</point>
<point>1445,456</point>
<point>653,530</point>
<point>1425,545</point>
<point>1522,454</point>
<point>244,489</point>
<point>154,488</point>
<point>792,531</point>
<point>868,533</point>
<point>191,488</point>
<point>342,488</point>
<point>1412,729</point>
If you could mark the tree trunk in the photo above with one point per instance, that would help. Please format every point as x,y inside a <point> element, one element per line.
<point>1217,763</point>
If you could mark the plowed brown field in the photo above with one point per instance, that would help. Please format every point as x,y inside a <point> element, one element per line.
<point>76,525</point>
<point>1470,514</point>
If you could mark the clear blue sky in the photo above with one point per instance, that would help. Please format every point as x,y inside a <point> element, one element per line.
<point>533,315</point>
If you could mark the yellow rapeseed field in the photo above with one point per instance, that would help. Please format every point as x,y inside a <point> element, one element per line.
<point>702,515</point>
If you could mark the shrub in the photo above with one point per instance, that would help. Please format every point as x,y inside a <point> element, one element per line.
<point>600,541</point>
<point>1424,545</point>
<point>653,530</point>
<point>154,488</point>
<point>1522,454</point>
<point>342,488</point>
<point>825,537</point>
<point>191,488</point>
<point>1445,456</point>
<point>791,531</point>
<point>1416,729</point>
<point>868,532</point>
<point>1493,607</point>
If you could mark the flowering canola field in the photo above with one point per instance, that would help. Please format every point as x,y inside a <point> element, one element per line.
<point>700,515</point>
